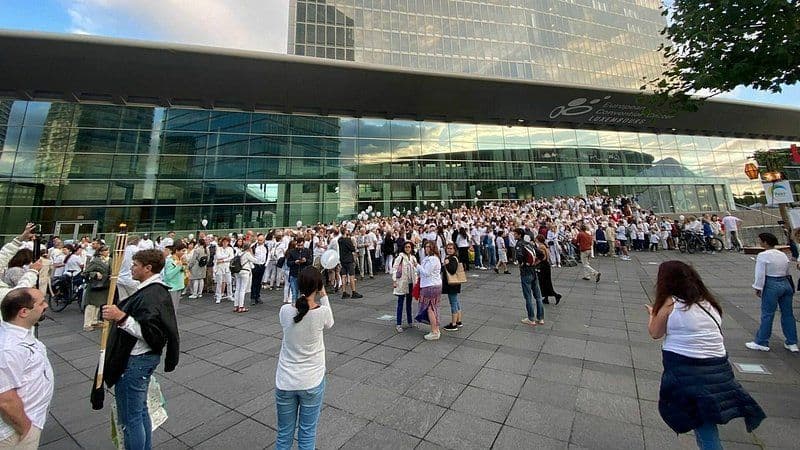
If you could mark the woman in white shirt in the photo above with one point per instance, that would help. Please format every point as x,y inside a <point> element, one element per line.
<point>772,284</point>
<point>300,376</point>
<point>244,279</point>
<point>222,269</point>
<point>698,390</point>
<point>430,283</point>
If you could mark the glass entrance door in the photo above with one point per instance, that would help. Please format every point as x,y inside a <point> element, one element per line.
<point>73,231</point>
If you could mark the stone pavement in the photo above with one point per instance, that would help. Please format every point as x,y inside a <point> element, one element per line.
<point>588,378</point>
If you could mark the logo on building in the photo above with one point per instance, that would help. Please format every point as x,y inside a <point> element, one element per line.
<point>576,107</point>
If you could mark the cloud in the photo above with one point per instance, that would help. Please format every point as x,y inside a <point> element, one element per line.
<point>260,25</point>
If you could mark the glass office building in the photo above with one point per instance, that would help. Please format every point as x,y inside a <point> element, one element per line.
<point>600,43</point>
<point>160,168</point>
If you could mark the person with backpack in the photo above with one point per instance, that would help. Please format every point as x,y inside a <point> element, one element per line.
<point>197,268</point>
<point>528,256</point>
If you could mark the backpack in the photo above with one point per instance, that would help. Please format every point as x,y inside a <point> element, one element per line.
<point>281,262</point>
<point>531,256</point>
<point>202,261</point>
<point>236,264</point>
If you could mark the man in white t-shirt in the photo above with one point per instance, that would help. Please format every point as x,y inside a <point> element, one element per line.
<point>146,243</point>
<point>731,224</point>
<point>126,285</point>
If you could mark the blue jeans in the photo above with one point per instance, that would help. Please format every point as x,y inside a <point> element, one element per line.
<point>777,292</point>
<point>492,256</point>
<point>707,437</point>
<point>478,256</point>
<point>455,305</point>
<point>294,288</point>
<point>131,397</point>
<point>530,290</point>
<point>407,299</point>
<point>309,404</point>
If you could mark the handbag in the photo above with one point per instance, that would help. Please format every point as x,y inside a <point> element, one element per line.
<point>399,273</point>
<point>415,291</point>
<point>459,277</point>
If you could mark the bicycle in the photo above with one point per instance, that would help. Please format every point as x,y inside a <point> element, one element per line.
<point>692,242</point>
<point>64,290</point>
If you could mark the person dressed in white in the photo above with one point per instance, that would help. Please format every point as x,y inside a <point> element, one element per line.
<point>300,375</point>
<point>222,270</point>
<point>244,279</point>
<point>774,287</point>
<point>26,376</point>
<point>731,224</point>
<point>126,285</point>
<point>146,243</point>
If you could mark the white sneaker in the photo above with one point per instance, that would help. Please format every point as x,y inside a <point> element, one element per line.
<point>399,328</point>
<point>792,348</point>
<point>432,336</point>
<point>754,346</point>
<point>217,301</point>
<point>527,321</point>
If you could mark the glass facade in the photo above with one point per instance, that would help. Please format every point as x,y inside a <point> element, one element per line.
<point>601,43</point>
<point>168,168</point>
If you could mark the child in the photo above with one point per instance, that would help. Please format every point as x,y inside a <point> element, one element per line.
<point>655,239</point>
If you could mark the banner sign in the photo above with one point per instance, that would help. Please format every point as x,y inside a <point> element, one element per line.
<point>778,192</point>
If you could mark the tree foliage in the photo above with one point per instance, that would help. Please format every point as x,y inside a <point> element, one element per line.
<point>717,45</point>
<point>772,160</point>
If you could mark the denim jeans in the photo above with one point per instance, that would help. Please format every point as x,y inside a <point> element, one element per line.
<point>530,290</point>
<point>478,250</point>
<point>308,403</point>
<point>455,305</point>
<point>407,299</point>
<point>707,437</point>
<point>777,292</point>
<point>293,286</point>
<point>131,397</point>
<point>492,256</point>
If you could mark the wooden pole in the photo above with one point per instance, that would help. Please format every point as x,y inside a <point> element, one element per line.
<point>116,264</point>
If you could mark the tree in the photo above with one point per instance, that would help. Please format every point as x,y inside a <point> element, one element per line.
<point>717,45</point>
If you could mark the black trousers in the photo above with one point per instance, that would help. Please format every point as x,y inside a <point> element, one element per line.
<point>255,285</point>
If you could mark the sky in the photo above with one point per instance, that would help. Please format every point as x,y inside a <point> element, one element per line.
<point>260,25</point>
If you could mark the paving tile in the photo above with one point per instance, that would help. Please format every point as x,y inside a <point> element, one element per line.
<point>482,403</point>
<point>610,406</point>
<point>455,371</point>
<point>556,394</point>
<point>376,436</point>
<point>245,434</point>
<point>363,400</point>
<point>606,382</point>
<point>513,360</point>
<point>514,438</point>
<point>435,390</point>
<point>498,381</point>
<point>608,353</point>
<point>358,369</point>
<point>410,416</point>
<point>599,433</point>
<point>458,430</point>
<point>336,427</point>
<point>542,419</point>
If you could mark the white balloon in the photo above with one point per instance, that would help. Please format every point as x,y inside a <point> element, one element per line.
<point>372,214</point>
<point>416,208</point>
<point>191,236</point>
<point>378,213</point>
<point>442,202</point>
<point>478,192</point>
<point>329,259</point>
<point>408,213</point>
<point>299,223</point>
<point>369,208</point>
<point>425,202</point>
<point>204,222</point>
<point>476,199</point>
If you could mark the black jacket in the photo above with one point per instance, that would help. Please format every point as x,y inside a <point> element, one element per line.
<point>292,259</point>
<point>346,250</point>
<point>694,391</point>
<point>152,308</point>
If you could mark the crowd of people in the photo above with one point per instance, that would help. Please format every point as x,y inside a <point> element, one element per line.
<point>426,255</point>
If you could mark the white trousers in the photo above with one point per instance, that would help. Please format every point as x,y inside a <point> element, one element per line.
<point>242,287</point>
<point>219,278</point>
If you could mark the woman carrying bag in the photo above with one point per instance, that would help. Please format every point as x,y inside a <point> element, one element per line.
<point>698,390</point>
<point>452,278</point>
<point>404,275</point>
<point>97,273</point>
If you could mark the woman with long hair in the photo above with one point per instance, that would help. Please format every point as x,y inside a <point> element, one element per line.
<point>244,279</point>
<point>430,284</point>
<point>773,286</point>
<point>404,275</point>
<point>450,265</point>
<point>698,389</point>
<point>545,274</point>
<point>300,375</point>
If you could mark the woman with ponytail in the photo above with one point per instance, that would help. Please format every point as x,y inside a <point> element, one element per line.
<point>300,376</point>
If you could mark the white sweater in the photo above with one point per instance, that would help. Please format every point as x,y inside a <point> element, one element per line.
<point>301,363</point>
<point>430,272</point>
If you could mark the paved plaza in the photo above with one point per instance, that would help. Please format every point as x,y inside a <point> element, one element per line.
<point>588,378</point>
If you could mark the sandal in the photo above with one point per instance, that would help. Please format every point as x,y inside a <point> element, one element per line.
<point>244,310</point>
<point>236,309</point>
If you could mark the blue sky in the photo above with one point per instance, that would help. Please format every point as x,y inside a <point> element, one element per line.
<point>246,24</point>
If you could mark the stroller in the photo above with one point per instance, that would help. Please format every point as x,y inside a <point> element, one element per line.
<point>569,254</point>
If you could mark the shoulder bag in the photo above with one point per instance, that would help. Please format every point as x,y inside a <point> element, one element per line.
<point>459,277</point>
